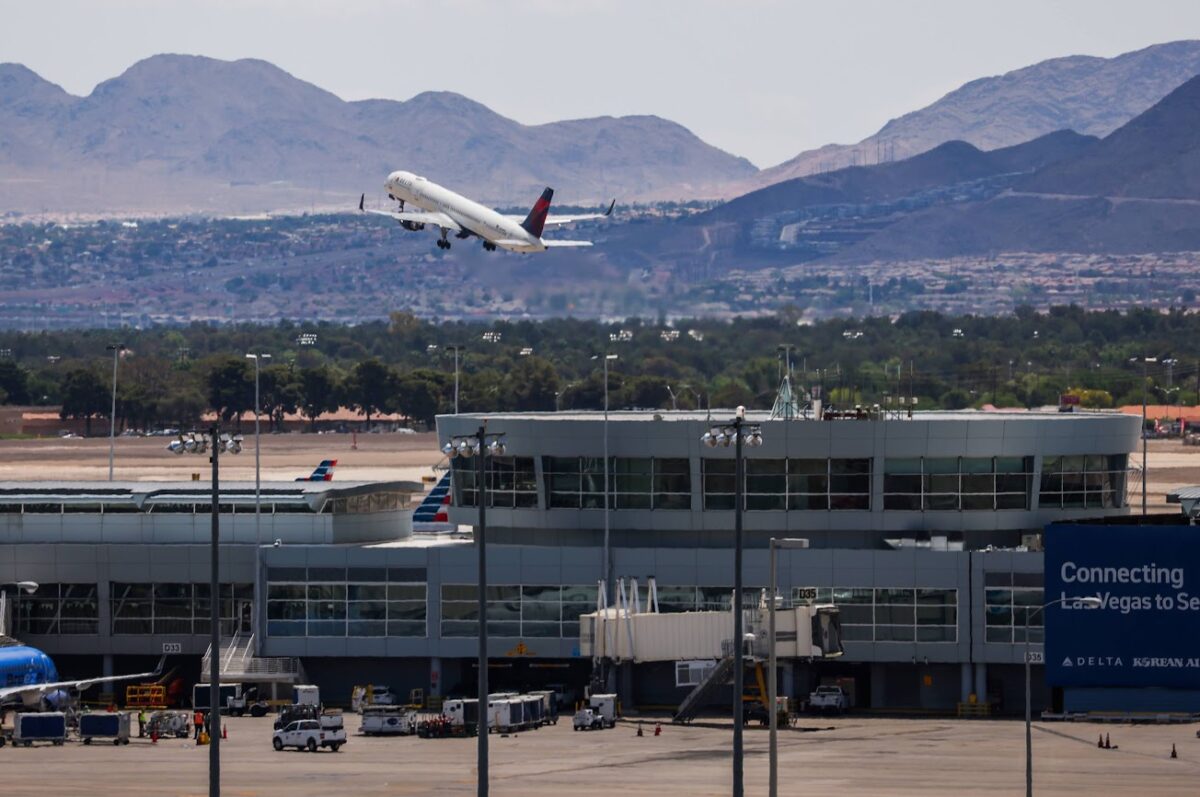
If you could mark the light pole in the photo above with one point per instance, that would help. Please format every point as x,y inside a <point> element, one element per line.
<point>1145,361</point>
<point>737,432</point>
<point>197,444</point>
<point>258,603</point>
<point>605,569</point>
<point>788,543</point>
<point>116,349</point>
<point>466,447</point>
<point>1089,601</point>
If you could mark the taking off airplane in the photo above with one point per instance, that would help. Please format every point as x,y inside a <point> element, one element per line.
<point>453,213</point>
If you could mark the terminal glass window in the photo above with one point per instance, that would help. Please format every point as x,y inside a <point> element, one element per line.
<point>517,611</point>
<point>633,482</point>
<point>1090,481</point>
<point>177,608</point>
<point>58,609</point>
<point>795,484</point>
<point>511,482</point>
<point>956,483</point>
<point>1013,609</point>
<point>895,614</point>
<point>637,483</point>
<point>346,602</point>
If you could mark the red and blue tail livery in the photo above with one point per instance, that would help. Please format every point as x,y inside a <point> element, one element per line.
<point>323,473</point>
<point>535,222</point>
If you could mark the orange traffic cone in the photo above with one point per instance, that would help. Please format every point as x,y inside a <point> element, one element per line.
<point>154,737</point>
<point>658,729</point>
<point>1107,742</point>
<point>224,731</point>
<point>1100,742</point>
<point>1173,753</point>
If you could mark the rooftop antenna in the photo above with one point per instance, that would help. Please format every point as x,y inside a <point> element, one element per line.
<point>785,399</point>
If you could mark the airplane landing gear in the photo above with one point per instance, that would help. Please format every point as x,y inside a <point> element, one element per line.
<point>443,243</point>
<point>488,246</point>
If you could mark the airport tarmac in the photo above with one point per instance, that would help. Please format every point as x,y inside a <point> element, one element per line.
<point>848,757</point>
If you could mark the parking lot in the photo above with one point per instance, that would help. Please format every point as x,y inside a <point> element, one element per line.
<point>842,756</point>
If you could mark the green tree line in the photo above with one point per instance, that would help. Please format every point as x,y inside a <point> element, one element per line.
<point>170,376</point>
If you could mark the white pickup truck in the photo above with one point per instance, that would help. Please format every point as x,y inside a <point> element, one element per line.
<point>828,699</point>
<point>309,735</point>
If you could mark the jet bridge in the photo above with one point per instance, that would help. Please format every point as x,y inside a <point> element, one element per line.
<point>628,633</point>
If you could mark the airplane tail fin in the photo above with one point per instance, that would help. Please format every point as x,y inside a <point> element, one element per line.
<point>323,472</point>
<point>535,222</point>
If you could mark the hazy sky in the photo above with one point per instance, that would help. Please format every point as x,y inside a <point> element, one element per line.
<point>764,79</point>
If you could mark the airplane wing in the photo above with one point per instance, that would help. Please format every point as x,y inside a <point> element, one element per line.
<point>422,217</point>
<point>7,693</point>
<point>556,244</point>
<point>555,220</point>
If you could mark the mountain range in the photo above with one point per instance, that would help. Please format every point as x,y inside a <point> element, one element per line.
<point>1089,95</point>
<point>186,133</point>
<point>1137,190</point>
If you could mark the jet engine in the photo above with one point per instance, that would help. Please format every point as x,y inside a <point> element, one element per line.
<point>415,226</point>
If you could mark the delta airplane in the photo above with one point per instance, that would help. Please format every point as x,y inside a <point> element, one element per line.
<point>453,213</point>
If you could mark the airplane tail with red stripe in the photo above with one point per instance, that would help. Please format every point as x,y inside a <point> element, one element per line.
<point>535,222</point>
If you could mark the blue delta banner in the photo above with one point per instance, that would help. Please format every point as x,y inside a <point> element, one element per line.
<point>1146,632</point>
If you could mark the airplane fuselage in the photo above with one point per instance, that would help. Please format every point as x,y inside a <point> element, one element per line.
<point>468,214</point>
<point>21,665</point>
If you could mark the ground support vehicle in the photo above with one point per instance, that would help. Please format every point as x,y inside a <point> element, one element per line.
<point>30,727</point>
<point>587,719</point>
<point>828,700</point>
<point>169,723</point>
<point>106,725</point>
<point>329,719</point>
<point>201,692</point>
<point>308,735</point>
<point>388,721</point>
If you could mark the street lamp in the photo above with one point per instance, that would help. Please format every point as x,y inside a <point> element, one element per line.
<point>737,432</point>
<point>481,445</point>
<point>222,443</point>
<point>605,569</point>
<point>789,543</point>
<point>116,349</point>
<point>1090,601</point>
<point>258,358</point>
<point>1145,361</point>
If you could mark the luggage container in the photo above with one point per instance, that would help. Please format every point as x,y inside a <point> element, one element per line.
<point>549,706</point>
<point>306,694</point>
<point>534,710</point>
<point>505,715</point>
<point>105,725</point>
<point>605,706</point>
<point>463,713</point>
<point>50,726</point>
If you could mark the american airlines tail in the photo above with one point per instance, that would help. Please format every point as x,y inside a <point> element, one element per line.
<point>535,222</point>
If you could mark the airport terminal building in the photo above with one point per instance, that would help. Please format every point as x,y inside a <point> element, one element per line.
<point>924,531</point>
